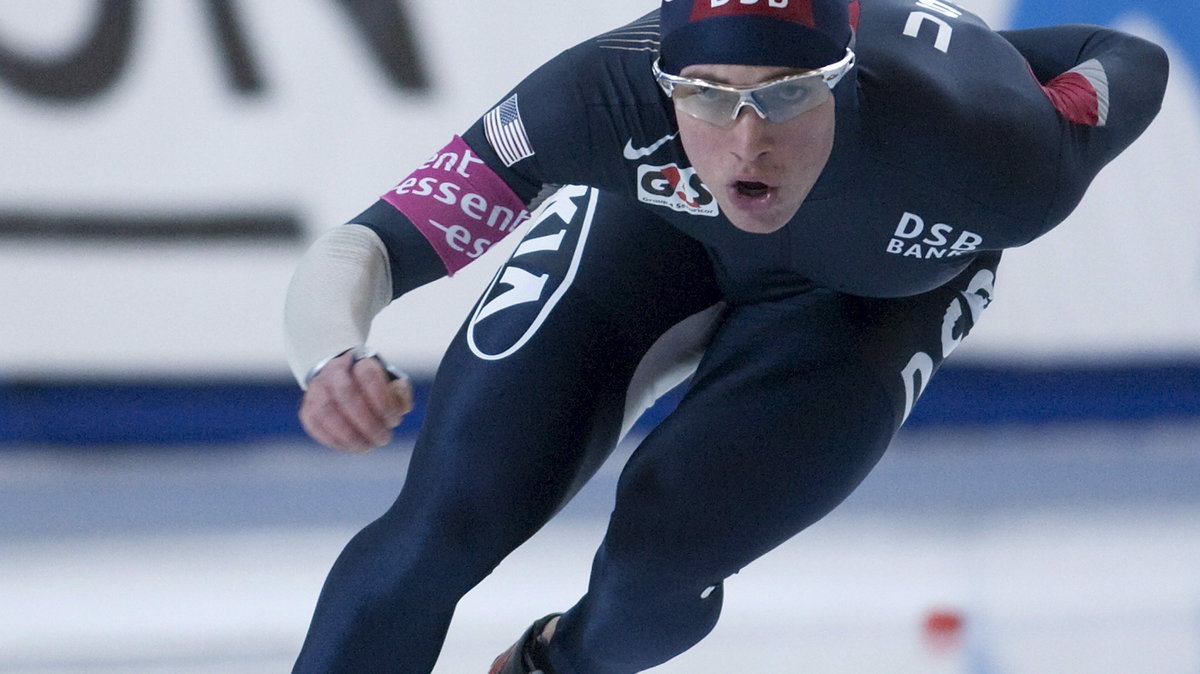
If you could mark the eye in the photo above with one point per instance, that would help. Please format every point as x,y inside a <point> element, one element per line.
<point>791,92</point>
<point>701,93</point>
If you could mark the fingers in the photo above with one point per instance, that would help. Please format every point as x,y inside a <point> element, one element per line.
<point>352,405</point>
<point>390,399</point>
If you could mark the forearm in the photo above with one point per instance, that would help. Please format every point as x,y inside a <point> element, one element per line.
<point>1053,50</point>
<point>341,283</point>
<point>352,272</point>
<point>438,219</point>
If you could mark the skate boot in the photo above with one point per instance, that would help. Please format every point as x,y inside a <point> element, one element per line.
<point>527,656</point>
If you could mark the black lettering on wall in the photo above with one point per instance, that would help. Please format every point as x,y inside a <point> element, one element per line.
<point>98,61</point>
<point>94,65</point>
<point>240,67</point>
<point>175,226</point>
<point>390,35</point>
<point>83,72</point>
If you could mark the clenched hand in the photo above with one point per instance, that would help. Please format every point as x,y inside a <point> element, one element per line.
<point>353,405</point>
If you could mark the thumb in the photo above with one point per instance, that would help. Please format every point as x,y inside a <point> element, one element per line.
<point>404,392</point>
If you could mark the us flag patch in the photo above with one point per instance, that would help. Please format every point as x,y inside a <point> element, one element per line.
<point>506,132</point>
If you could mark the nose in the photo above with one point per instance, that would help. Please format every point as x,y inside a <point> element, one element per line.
<point>750,136</point>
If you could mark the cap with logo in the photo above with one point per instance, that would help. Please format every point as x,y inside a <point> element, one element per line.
<point>789,33</point>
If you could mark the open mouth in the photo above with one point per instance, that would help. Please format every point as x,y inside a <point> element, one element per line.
<point>751,188</point>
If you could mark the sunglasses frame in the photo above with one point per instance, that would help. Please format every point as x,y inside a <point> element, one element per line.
<point>830,75</point>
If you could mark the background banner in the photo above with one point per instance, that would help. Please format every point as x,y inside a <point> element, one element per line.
<point>168,162</point>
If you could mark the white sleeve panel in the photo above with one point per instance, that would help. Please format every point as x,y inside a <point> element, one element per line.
<point>341,283</point>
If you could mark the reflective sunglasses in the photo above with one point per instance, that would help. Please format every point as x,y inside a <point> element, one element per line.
<point>776,100</point>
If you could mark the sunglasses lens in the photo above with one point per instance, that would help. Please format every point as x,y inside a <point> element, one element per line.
<point>778,101</point>
<point>791,98</point>
<point>714,106</point>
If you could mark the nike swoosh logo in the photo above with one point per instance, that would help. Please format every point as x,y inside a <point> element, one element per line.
<point>632,153</point>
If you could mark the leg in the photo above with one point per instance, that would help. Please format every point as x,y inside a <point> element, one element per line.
<point>526,405</point>
<point>794,403</point>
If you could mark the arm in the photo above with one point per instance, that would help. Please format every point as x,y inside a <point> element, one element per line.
<point>341,283</point>
<point>1105,88</point>
<point>440,218</point>
<point>1097,77</point>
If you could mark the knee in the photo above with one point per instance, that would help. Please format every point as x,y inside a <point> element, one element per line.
<point>655,579</point>
<point>659,537</point>
<point>457,539</point>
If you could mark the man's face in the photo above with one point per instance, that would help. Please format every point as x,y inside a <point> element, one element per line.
<point>759,171</point>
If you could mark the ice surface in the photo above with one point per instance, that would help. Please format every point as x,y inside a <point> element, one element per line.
<point>1066,550</point>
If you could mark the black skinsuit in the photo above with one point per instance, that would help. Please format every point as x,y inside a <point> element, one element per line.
<point>947,151</point>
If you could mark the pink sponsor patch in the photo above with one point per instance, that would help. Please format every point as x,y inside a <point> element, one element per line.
<point>459,204</point>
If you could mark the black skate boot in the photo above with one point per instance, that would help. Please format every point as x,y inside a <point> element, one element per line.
<point>527,656</point>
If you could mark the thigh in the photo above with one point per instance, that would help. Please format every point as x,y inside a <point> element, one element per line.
<point>794,403</point>
<point>529,397</point>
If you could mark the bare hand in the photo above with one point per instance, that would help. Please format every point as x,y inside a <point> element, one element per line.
<point>353,405</point>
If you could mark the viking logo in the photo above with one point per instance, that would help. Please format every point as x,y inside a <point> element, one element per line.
<point>541,269</point>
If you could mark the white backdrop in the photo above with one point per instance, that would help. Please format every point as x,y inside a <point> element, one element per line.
<point>329,134</point>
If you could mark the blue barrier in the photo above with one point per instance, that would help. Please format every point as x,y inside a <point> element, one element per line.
<point>173,412</point>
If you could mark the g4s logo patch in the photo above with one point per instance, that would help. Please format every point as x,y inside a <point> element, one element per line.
<point>678,189</point>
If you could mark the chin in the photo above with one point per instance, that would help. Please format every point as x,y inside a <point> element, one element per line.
<point>759,223</point>
<point>755,226</point>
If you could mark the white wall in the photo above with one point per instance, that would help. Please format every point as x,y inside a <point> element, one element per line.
<point>330,134</point>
